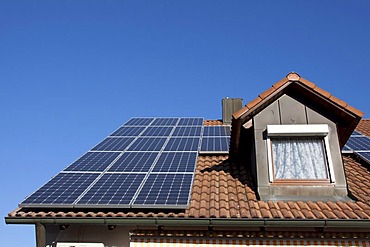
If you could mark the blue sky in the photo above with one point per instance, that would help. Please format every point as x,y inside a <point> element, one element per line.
<point>73,71</point>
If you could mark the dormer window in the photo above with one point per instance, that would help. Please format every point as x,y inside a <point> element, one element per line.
<point>299,153</point>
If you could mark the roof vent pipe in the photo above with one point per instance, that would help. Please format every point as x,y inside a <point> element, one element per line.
<point>229,106</point>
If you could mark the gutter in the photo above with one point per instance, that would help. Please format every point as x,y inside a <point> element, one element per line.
<point>206,222</point>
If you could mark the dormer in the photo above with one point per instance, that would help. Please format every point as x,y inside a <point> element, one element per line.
<point>291,137</point>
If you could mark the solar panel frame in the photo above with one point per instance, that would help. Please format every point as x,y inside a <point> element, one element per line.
<point>128,131</point>
<point>210,131</point>
<point>191,121</point>
<point>187,131</point>
<point>182,144</point>
<point>134,162</point>
<point>180,162</point>
<point>165,190</point>
<point>93,161</point>
<point>158,131</point>
<point>215,145</point>
<point>364,155</point>
<point>112,189</point>
<point>137,121</point>
<point>114,144</point>
<point>62,190</point>
<point>148,144</point>
<point>358,143</point>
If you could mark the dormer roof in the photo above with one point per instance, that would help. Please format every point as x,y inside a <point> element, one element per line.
<point>345,116</point>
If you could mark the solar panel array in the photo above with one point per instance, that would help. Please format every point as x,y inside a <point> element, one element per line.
<point>359,144</point>
<point>147,162</point>
<point>216,139</point>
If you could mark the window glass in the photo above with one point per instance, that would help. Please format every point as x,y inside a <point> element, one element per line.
<point>299,158</point>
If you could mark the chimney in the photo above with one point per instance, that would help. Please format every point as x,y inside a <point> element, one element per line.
<point>229,106</point>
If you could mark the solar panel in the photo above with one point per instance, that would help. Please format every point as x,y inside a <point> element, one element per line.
<point>176,162</point>
<point>356,133</point>
<point>93,161</point>
<point>191,122</point>
<point>187,131</point>
<point>145,154</point>
<point>165,190</point>
<point>215,144</point>
<point>359,143</point>
<point>216,131</point>
<point>114,144</point>
<point>165,122</point>
<point>148,144</point>
<point>113,189</point>
<point>365,156</point>
<point>183,144</point>
<point>64,188</point>
<point>158,131</point>
<point>128,131</point>
<point>134,162</point>
<point>139,121</point>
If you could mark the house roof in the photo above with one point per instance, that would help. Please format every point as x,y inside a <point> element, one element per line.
<point>345,116</point>
<point>223,189</point>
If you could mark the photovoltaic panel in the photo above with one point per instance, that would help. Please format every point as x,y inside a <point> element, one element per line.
<point>64,188</point>
<point>191,122</point>
<point>134,162</point>
<point>113,189</point>
<point>215,144</point>
<point>93,161</point>
<point>139,121</point>
<point>165,122</point>
<point>148,144</point>
<point>356,133</point>
<point>187,131</point>
<point>176,162</point>
<point>128,131</point>
<point>165,190</point>
<point>158,131</point>
<point>216,131</point>
<point>365,156</point>
<point>183,144</point>
<point>358,143</point>
<point>114,144</point>
<point>345,148</point>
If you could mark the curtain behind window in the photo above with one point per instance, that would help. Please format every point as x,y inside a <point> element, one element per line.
<point>299,158</point>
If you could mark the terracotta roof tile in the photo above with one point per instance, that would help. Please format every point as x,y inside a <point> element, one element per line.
<point>364,127</point>
<point>222,189</point>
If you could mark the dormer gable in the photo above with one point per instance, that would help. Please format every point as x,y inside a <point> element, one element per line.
<point>291,137</point>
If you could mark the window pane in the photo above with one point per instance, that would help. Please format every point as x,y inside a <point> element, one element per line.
<point>299,158</point>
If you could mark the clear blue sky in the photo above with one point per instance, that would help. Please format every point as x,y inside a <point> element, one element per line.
<point>73,71</point>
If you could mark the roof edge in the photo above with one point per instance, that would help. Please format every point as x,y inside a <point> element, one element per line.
<point>225,222</point>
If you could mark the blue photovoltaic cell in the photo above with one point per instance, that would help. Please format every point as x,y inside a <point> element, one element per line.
<point>176,162</point>
<point>165,189</point>
<point>216,131</point>
<point>157,131</point>
<point>356,133</point>
<point>134,162</point>
<point>365,155</point>
<point>187,131</point>
<point>165,122</point>
<point>148,144</point>
<point>190,122</point>
<point>93,161</point>
<point>182,144</point>
<point>64,188</point>
<point>114,144</point>
<point>358,143</point>
<point>128,131</point>
<point>345,148</point>
<point>113,189</point>
<point>211,144</point>
<point>139,121</point>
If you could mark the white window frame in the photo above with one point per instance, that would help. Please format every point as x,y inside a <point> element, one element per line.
<point>297,130</point>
